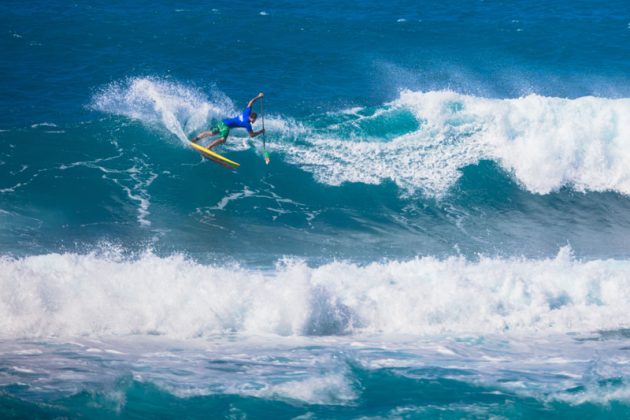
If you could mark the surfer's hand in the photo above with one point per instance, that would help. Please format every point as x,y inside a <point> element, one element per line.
<point>260,95</point>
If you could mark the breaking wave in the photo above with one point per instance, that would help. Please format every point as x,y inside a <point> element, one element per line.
<point>422,140</point>
<point>71,294</point>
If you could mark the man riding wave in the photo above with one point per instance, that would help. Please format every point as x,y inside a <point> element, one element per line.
<point>222,128</point>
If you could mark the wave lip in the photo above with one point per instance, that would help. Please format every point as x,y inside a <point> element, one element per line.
<point>70,295</point>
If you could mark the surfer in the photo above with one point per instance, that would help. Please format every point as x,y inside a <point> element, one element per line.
<point>223,127</point>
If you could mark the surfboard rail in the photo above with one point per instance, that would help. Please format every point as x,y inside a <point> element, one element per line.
<point>215,157</point>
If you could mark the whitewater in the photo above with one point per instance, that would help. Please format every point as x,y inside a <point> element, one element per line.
<point>66,295</point>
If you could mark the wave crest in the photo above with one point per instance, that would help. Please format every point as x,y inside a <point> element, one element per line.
<point>422,140</point>
<point>545,143</point>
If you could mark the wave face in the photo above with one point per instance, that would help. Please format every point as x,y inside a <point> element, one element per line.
<point>90,295</point>
<point>423,140</point>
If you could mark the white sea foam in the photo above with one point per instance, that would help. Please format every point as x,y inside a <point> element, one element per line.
<point>69,295</point>
<point>22,369</point>
<point>593,395</point>
<point>327,389</point>
<point>43,124</point>
<point>232,197</point>
<point>546,143</point>
<point>28,352</point>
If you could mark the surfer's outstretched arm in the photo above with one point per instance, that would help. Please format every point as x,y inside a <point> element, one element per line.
<point>250,103</point>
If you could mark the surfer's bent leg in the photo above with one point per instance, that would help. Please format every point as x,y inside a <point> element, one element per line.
<point>202,135</point>
<point>223,131</point>
<point>220,140</point>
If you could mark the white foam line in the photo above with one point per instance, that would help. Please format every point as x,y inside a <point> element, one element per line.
<point>93,164</point>
<point>28,352</point>
<point>44,124</point>
<point>377,113</point>
<point>22,169</point>
<point>141,196</point>
<point>232,197</point>
<point>12,189</point>
<point>22,369</point>
<point>88,164</point>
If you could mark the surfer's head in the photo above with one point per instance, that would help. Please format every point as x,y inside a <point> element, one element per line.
<point>252,117</point>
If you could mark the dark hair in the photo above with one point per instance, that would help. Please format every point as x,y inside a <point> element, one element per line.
<point>253,115</point>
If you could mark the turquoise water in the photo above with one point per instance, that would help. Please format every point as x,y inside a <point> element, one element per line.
<point>442,231</point>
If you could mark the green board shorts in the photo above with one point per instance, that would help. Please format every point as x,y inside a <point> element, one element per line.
<point>222,129</point>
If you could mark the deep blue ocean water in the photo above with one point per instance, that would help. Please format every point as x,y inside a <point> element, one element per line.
<point>443,230</point>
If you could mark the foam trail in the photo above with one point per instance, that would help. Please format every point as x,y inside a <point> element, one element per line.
<point>69,295</point>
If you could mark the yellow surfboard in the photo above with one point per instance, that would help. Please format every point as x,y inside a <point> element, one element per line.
<point>215,157</point>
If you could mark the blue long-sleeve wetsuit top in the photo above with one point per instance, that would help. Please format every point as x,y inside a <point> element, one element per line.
<point>240,121</point>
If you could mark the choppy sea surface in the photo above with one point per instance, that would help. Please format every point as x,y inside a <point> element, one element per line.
<point>443,230</point>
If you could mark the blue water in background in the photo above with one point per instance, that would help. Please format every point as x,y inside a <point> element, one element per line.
<point>445,180</point>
